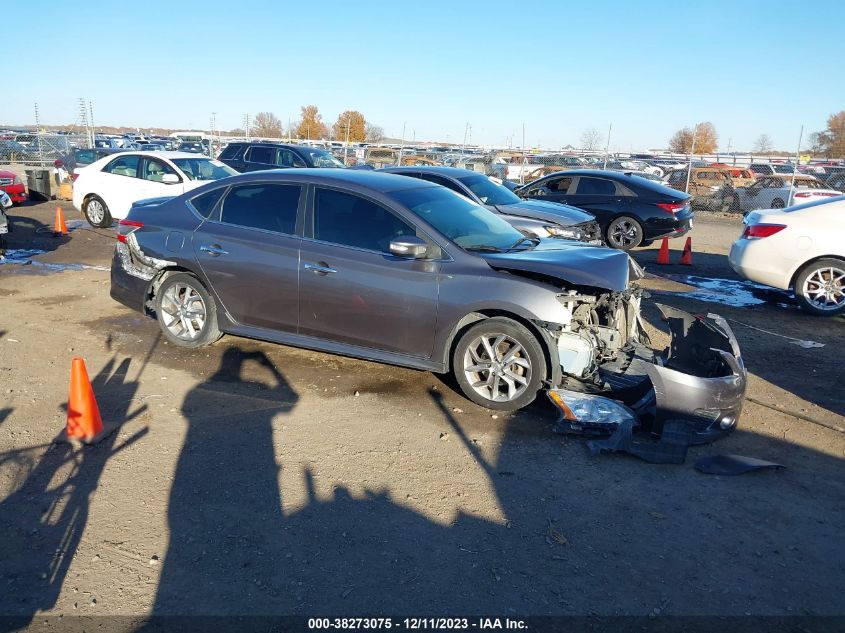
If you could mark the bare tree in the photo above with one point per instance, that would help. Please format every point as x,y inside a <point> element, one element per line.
<point>267,125</point>
<point>591,139</point>
<point>373,133</point>
<point>763,144</point>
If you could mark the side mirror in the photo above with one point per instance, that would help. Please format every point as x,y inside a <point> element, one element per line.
<point>409,246</point>
<point>169,179</point>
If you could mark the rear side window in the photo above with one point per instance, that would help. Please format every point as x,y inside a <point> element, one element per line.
<point>123,166</point>
<point>595,187</point>
<point>258,154</point>
<point>85,156</point>
<point>267,207</point>
<point>349,220</point>
<point>559,185</point>
<point>443,182</point>
<point>205,203</point>
<point>229,152</point>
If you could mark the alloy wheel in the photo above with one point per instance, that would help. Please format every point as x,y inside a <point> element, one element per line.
<point>96,212</point>
<point>623,233</point>
<point>824,288</point>
<point>184,312</point>
<point>497,367</point>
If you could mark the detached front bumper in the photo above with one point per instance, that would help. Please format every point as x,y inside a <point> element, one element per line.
<point>692,393</point>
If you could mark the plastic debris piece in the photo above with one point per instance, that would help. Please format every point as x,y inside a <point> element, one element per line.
<point>733,464</point>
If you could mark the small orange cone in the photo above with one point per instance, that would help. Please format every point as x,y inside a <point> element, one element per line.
<point>663,255</point>
<point>60,227</point>
<point>84,425</point>
<point>686,258</point>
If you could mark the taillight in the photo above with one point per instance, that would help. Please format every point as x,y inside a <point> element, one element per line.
<point>73,177</point>
<point>671,207</point>
<point>758,231</point>
<point>810,194</point>
<point>125,227</point>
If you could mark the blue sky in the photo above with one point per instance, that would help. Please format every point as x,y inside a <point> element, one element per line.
<point>559,67</point>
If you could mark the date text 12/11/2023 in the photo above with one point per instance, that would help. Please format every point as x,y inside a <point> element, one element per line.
<point>416,624</point>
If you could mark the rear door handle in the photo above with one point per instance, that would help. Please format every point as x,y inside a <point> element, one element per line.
<point>320,269</point>
<point>214,250</point>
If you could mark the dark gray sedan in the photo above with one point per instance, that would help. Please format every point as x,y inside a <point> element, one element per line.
<point>395,270</point>
<point>538,217</point>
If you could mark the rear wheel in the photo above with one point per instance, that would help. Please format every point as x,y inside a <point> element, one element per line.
<point>777,203</point>
<point>820,287</point>
<point>186,312</point>
<point>499,364</point>
<point>97,213</point>
<point>624,233</point>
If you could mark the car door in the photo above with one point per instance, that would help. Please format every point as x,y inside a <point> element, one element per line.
<point>118,184</point>
<point>248,250</point>
<point>152,174</point>
<point>352,290</point>
<point>602,197</point>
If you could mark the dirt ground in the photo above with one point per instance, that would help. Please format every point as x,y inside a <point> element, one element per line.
<point>250,478</point>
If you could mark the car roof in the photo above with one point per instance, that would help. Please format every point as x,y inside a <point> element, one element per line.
<point>278,145</point>
<point>454,172</point>
<point>372,179</point>
<point>170,155</point>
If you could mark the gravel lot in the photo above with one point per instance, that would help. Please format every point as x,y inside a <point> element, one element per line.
<point>250,478</point>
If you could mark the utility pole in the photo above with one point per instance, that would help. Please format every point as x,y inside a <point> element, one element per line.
<point>346,148</point>
<point>607,147</point>
<point>38,137</point>
<point>795,167</point>
<point>401,146</point>
<point>524,158</point>
<point>91,121</point>
<point>464,146</point>
<point>246,126</point>
<point>689,167</point>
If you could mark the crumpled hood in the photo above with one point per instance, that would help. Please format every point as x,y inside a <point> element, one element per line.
<point>555,212</point>
<point>573,262</point>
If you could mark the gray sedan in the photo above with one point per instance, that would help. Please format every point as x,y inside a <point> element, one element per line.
<point>406,272</point>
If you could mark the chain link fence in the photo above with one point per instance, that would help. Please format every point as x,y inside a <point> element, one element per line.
<point>38,149</point>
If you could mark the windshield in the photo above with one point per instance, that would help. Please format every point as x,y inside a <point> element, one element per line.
<point>470,226</point>
<point>203,168</point>
<point>323,159</point>
<point>488,191</point>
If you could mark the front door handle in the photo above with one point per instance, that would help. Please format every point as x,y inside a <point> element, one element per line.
<point>214,250</point>
<point>321,268</point>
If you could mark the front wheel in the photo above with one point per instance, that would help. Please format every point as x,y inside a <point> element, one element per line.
<point>97,213</point>
<point>820,287</point>
<point>624,233</point>
<point>186,312</point>
<point>499,364</point>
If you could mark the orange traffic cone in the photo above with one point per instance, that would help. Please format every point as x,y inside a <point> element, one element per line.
<point>686,258</point>
<point>663,255</point>
<point>60,227</point>
<point>84,425</point>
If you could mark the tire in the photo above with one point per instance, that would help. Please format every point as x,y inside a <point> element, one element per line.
<point>820,287</point>
<point>624,233</point>
<point>97,213</point>
<point>777,203</point>
<point>186,312</point>
<point>733,203</point>
<point>506,386</point>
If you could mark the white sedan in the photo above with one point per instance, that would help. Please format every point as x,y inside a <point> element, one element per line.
<point>800,247</point>
<point>105,190</point>
<point>773,192</point>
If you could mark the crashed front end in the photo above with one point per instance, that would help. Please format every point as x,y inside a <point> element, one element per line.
<point>613,384</point>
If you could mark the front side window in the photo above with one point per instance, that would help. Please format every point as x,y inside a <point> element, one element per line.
<point>559,185</point>
<point>595,187</point>
<point>443,182</point>
<point>155,169</point>
<point>263,155</point>
<point>264,206</point>
<point>319,158</point>
<point>123,166</point>
<point>349,220</point>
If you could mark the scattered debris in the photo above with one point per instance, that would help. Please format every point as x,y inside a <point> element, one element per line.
<point>795,341</point>
<point>733,464</point>
<point>457,410</point>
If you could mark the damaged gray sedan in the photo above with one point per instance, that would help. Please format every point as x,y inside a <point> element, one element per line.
<point>401,271</point>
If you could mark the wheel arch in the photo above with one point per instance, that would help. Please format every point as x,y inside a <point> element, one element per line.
<point>160,277</point>
<point>797,271</point>
<point>547,343</point>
